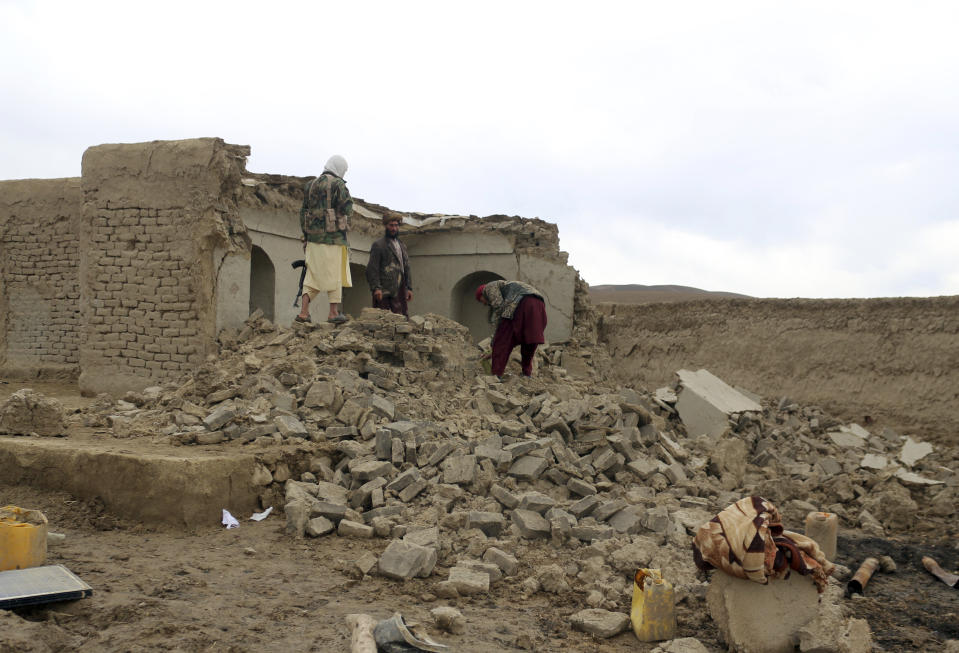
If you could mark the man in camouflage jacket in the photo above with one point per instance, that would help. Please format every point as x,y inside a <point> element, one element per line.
<point>324,220</point>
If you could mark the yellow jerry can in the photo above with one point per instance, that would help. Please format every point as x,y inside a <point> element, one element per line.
<point>23,538</point>
<point>653,614</point>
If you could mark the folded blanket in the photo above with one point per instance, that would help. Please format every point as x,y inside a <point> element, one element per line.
<point>747,540</point>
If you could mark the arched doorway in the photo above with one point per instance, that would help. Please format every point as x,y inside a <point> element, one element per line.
<point>466,310</point>
<point>358,297</point>
<point>262,282</point>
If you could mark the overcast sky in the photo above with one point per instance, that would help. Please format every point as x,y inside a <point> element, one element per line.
<point>801,149</point>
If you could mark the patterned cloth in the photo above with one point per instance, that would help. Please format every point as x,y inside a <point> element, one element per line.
<point>504,296</point>
<point>747,540</point>
<point>325,192</point>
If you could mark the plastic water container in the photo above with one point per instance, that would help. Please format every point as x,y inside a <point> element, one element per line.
<point>822,528</point>
<point>653,614</point>
<point>23,538</point>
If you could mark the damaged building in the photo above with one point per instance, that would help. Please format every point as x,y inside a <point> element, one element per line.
<point>128,273</point>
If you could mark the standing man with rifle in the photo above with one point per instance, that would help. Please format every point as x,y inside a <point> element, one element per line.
<point>325,220</point>
<point>388,270</point>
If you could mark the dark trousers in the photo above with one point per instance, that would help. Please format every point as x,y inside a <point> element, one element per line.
<point>525,329</point>
<point>396,304</point>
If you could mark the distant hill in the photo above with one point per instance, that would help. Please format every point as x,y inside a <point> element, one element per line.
<point>638,294</point>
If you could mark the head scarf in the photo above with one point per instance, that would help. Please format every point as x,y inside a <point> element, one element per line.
<point>479,293</point>
<point>337,165</point>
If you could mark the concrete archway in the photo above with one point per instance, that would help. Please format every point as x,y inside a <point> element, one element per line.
<point>466,310</point>
<point>358,297</point>
<point>262,282</point>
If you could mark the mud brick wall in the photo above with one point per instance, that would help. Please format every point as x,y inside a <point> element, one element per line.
<point>894,360</point>
<point>39,278</point>
<point>154,214</point>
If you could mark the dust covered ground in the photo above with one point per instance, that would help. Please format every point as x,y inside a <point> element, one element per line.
<point>262,586</point>
<point>254,588</point>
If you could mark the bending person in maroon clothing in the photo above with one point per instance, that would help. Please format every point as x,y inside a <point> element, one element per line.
<point>519,312</point>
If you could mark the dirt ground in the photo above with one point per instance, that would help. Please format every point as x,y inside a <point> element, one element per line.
<point>255,588</point>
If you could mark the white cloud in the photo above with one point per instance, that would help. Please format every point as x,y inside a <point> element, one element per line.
<point>770,149</point>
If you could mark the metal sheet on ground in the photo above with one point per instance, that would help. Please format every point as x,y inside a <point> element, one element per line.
<point>47,584</point>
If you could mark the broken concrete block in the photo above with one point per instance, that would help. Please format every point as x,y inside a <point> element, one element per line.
<point>644,467</point>
<point>322,394</point>
<point>909,478</point>
<point>349,528</point>
<point>536,501</point>
<point>504,496</point>
<point>448,619</point>
<point>219,417</point>
<point>408,493</point>
<point>491,523</point>
<point>397,452</point>
<point>580,487</point>
<point>441,452</point>
<point>832,632</point>
<point>500,458</point>
<point>607,509</point>
<point>366,563</point>
<point>531,524</point>
<point>362,496</point>
<point>706,402</point>
<point>383,444</point>
<point>600,623</point>
<point>505,561</point>
<point>459,469</point>
<point>403,480</point>
<point>297,515</point>
<point>585,506</point>
<point>319,526</point>
<point>369,469</point>
<point>629,520</point>
<point>210,438</point>
<point>383,407</point>
<point>467,581</point>
<point>591,533</point>
<point>873,461</point>
<point>656,519</point>
<point>332,511</point>
<point>404,560</point>
<point>290,427</point>
<point>494,572</point>
<point>754,618</point>
<point>846,439</point>
<point>528,468</point>
<point>682,645</point>
<point>914,451</point>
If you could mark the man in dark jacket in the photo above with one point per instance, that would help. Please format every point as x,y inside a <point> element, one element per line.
<point>388,270</point>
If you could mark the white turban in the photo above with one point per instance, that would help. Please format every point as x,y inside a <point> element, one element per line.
<point>337,165</point>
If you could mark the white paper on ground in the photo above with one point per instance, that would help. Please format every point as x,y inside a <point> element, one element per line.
<point>260,516</point>
<point>229,520</point>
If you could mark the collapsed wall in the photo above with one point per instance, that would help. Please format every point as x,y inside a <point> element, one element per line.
<point>153,214</point>
<point>450,255</point>
<point>894,361</point>
<point>39,277</point>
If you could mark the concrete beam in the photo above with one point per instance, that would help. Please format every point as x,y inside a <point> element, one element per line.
<point>706,402</point>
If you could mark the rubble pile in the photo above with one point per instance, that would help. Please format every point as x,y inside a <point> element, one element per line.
<point>387,428</point>
<point>26,412</point>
